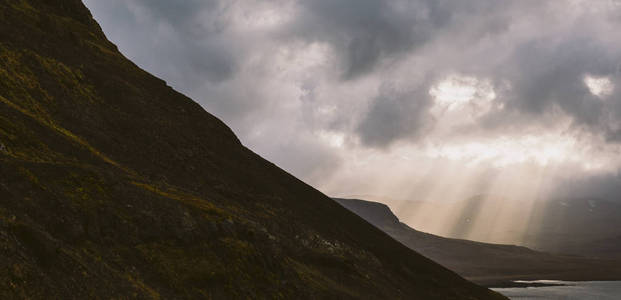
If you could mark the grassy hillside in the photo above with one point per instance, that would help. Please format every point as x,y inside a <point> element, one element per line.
<point>113,185</point>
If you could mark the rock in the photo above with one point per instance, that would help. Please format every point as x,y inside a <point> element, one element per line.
<point>71,229</point>
<point>93,230</point>
<point>39,243</point>
<point>227,227</point>
<point>211,228</point>
<point>185,226</point>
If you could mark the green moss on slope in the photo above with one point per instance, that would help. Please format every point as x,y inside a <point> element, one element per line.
<point>115,186</point>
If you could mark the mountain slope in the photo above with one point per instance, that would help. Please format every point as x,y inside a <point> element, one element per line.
<point>603,248</point>
<point>568,222</point>
<point>570,225</point>
<point>482,262</point>
<point>113,185</point>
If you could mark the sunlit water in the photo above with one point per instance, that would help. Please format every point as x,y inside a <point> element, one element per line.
<point>570,290</point>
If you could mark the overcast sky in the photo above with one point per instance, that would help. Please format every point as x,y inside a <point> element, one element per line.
<point>433,100</point>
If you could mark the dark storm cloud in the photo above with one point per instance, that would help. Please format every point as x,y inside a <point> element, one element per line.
<point>180,13</point>
<point>603,186</point>
<point>536,55</point>
<point>198,29</point>
<point>211,61</point>
<point>361,31</point>
<point>183,41</point>
<point>365,32</point>
<point>545,75</point>
<point>191,42</point>
<point>395,114</point>
<point>368,34</point>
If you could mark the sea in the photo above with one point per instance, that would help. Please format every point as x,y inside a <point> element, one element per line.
<point>565,290</point>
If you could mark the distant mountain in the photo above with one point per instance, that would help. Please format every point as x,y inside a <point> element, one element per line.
<point>482,262</point>
<point>603,248</point>
<point>567,225</point>
<point>114,186</point>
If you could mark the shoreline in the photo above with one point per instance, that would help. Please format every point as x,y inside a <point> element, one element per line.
<point>520,284</point>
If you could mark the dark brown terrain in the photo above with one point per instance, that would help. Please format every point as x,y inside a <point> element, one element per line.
<point>113,185</point>
<point>488,264</point>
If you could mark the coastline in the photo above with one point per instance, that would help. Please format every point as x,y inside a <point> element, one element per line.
<point>525,283</point>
